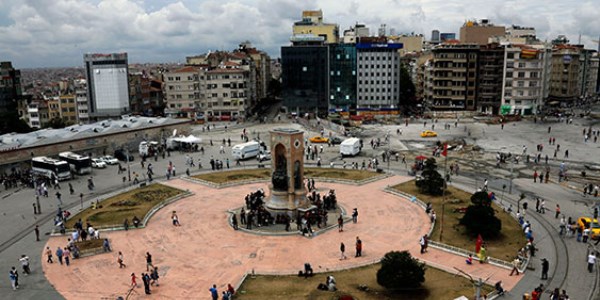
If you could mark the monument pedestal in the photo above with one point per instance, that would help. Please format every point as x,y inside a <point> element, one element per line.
<point>286,201</point>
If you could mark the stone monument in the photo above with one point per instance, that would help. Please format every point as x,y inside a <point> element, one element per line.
<point>287,165</point>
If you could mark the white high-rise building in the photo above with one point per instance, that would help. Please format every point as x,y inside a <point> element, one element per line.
<point>107,85</point>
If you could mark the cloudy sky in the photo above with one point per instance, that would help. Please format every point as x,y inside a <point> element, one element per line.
<point>52,33</point>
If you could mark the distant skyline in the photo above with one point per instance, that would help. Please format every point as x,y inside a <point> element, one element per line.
<point>45,33</point>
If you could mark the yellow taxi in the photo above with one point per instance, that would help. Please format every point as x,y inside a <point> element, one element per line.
<point>318,139</point>
<point>594,226</point>
<point>428,133</point>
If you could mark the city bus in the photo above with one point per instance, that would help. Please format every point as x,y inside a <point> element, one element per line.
<point>80,164</point>
<point>51,168</point>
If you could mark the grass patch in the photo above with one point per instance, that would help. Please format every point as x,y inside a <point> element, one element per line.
<point>90,244</point>
<point>254,174</point>
<point>438,285</point>
<point>116,209</point>
<point>504,247</point>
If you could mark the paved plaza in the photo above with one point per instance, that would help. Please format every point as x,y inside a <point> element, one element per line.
<point>206,250</point>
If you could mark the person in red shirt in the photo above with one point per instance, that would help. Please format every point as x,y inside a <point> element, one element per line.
<point>133,280</point>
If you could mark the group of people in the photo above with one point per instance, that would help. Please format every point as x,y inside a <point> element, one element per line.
<point>149,278</point>
<point>227,294</point>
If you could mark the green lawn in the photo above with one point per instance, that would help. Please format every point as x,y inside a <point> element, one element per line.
<point>438,285</point>
<point>504,247</point>
<point>114,210</point>
<point>250,174</point>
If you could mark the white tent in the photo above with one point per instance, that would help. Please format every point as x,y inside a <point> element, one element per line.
<point>174,142</point>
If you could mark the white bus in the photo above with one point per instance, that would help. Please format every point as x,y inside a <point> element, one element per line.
<point>245,150</point>
<point>80,164</point>
<point>50,167</point>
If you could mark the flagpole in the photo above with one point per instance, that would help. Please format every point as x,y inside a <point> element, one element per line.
<point>445,153</point>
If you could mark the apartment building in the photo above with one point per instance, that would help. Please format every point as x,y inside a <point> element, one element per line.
<point>564,80</point>
<point>182,91</point>
<point>342,78</point>
<point>453,77</point>
<point>83,116</point>
<point>479,31</point>
<point>225,92</point>
<point>526,78</point>
<point>68,109</point>
<point>378,74</point>
<point>588,73</point>
<point>490,65</point>
<point>312,24</point>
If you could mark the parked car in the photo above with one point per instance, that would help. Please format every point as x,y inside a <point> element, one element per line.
<point>264,156</point>
<point>98,163</point>
<point>109,160</point>
<point>318,139</point>
<point>336,140</point>
<point>428,133</point>
<point>593,225</point>
<point>122,155</point>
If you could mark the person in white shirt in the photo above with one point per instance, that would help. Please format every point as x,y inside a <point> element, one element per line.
<point>591,261</point>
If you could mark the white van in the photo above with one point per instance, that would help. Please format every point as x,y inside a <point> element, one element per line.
<point>245,150</point>
<point>350,147</point>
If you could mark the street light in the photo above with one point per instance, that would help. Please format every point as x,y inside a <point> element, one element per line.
<point>128,165</point>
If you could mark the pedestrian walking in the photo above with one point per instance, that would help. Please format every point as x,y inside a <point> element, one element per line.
<point>133,280</point>
<point>175,219</point>
<point>120,260</point>
<point>146,280</point>
<point>25,264</point>
<point>214,293</point>
<point>591,261</point>
<point>342,250</point>
<point>13,279</point>
<point>423,243</point>
<point>358,247</point>
<point>59,254</point>
<point>545,267</point>
<point>340,224</point>
<point>154,276</point>
<point>49,255</point>
<point>67,256</point>
<point>557,211</point>
<point>515,264</point>
<point>37,233</point>
<point>354,215</point>
<point>149,265</point>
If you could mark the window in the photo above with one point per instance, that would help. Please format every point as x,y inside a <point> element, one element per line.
<point>521,75</point>
<point>521,65</point>
<point>510,55</point>
<point>509,74</point>
<point>520,83</point>
<point>533,74</point>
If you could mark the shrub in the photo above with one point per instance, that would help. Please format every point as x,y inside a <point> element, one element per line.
<point>432,182</point>
<point>481,219</point>
<point>400,271</point>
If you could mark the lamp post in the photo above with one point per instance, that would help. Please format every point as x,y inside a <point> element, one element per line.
<point>128,165</point>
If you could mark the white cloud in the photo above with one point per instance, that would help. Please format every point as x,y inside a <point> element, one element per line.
<point>57,33</point>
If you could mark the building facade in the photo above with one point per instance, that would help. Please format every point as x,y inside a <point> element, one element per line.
<point>182,91</point>
<point>342,78</point>
<point>378,75</point>
<point>312,24</point>
<point>83,116</point>
<point>10,88</point>
<point>225,92</point>
<point>526,79</point>
<point>453,77</point>
<point>490,66</point>
<point>107,85</point>
<point>304,69</point>
<point>479,31</point>
<point>565,75</point>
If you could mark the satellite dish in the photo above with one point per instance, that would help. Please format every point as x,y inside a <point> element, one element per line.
<point>174,132</point>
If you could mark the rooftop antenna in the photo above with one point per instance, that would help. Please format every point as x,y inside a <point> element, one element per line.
<point>579,40</point>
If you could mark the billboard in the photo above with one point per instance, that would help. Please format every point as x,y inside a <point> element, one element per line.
<point>379,45</point>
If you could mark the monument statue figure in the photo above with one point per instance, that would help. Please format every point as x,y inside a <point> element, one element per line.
<point>280,177</point>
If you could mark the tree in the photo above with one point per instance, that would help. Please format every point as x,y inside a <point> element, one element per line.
<point>432,182</point>
<point>56,123</point>
<point>407,90</point>
<point>480,217</point>
<point>10,122</point>
<point>400,271</point>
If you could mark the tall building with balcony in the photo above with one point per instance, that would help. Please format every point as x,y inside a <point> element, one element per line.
<point>312,24</point>
<point>479,31</point>
<point>490,65</point>
<point>454,79</point>
<point>107,85</point>
<point>182,92</point>
<point>225,92</point>
<point>526,78</point>
<point>564,81</point>
<point>378,74</point>
<point>588,73</point>
<point>10,87</point>
<point>68,109</point>
<point>342,78</point>
<point>83,116</point>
